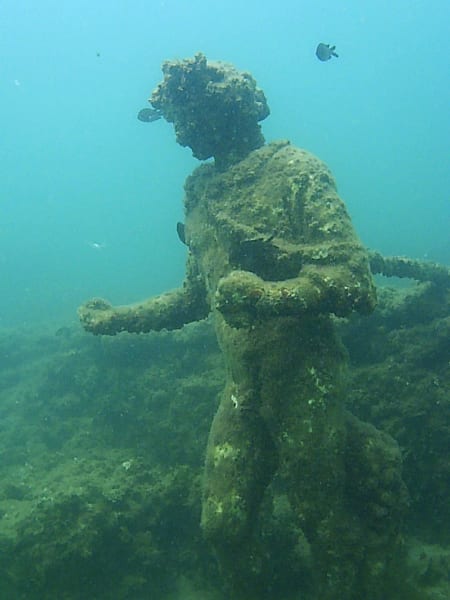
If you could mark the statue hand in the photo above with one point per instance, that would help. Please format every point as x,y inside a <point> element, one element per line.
<point>93,312</point>
<point>237,296</point>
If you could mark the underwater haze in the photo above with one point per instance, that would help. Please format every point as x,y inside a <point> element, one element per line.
<point>90,196</point>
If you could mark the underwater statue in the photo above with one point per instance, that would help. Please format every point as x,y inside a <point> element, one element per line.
<point>298,495</point>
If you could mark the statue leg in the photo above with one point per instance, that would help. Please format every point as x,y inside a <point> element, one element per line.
<point>240,462</point>
<point>311,449</point>
<point>309,429</point>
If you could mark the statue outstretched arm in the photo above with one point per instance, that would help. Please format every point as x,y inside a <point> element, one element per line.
<point>171,310</point>
<point>401,266</point>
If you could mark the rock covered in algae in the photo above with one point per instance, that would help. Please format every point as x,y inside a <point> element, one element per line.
<point>214,107</point>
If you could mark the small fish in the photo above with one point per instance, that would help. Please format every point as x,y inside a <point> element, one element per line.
<point>96,245</point>
<point>181,232</point>
<point>147,115</point>
<point>325,52</point>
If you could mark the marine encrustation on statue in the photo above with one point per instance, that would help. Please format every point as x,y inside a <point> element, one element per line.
<point>297,493</point>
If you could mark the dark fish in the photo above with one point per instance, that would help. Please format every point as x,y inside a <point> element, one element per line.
<point>181,232</point>
<point>147,115</point>
<point>325,51</point>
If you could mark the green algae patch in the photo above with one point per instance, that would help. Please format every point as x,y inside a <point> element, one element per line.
<point>100,487</point>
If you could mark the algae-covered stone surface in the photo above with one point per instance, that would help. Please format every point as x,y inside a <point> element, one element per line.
<point>102,448</point>
<point>400,381</point>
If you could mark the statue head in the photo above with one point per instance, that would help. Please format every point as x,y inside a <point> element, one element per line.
<point>214,107</point>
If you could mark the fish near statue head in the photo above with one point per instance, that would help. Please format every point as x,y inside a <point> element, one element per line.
<point>325,52</point>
